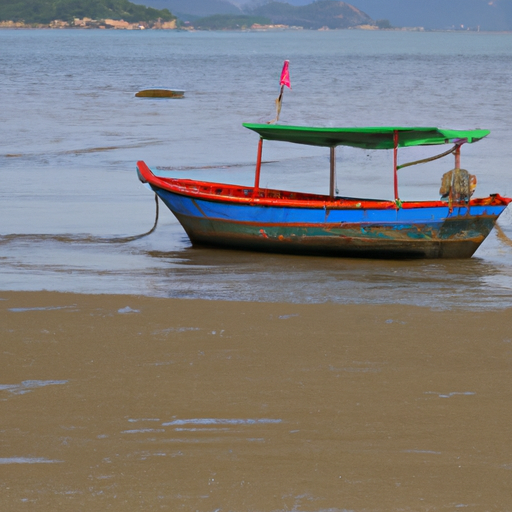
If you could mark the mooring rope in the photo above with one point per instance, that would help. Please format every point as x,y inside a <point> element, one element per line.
<point>125,239</point>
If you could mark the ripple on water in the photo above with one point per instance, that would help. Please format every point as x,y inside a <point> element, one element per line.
<point>29,385</point>
<point>27,460</point>
<point>220,421</point>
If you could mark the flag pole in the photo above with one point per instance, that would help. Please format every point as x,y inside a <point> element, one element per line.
<point>285,80</point>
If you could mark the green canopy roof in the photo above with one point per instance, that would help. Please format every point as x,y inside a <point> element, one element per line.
<point>366,138</point>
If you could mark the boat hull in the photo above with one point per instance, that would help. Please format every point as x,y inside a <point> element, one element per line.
<point>288,222</point>
<point>419,233</point>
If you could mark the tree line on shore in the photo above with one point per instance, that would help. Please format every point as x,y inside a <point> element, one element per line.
<point>44,12</point>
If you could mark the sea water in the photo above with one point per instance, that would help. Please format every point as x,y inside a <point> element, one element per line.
<point>72,131</point>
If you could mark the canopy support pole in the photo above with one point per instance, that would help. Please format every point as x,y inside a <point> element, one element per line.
<point>395,163</point>
<point>258,167</point>
<point>457,156</point>
<point>332,181</point>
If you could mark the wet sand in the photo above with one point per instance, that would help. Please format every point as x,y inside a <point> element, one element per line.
<point>127,403</point>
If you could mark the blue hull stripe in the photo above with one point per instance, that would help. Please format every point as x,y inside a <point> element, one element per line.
<point>276,215</point>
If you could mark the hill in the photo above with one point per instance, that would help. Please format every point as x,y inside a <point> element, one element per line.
<point>323,13</point>
<point>489,15</point>
<point>434,14</point>
<point>45,11</point>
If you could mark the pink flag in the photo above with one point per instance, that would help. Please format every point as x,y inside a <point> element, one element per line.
<point>285,75</point>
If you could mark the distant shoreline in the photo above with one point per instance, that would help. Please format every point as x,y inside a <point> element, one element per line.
<point>288,29</point>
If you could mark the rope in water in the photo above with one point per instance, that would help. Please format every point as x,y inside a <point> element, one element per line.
<point>136,237</point>
<point>81,238</point>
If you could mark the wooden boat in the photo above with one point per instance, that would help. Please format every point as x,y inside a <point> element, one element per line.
<point>255,218</point>
<point>160,93</point>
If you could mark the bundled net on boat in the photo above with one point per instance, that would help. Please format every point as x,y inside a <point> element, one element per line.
<point>457,186</point>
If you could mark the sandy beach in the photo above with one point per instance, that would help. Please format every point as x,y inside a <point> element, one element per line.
<point>124,403</point>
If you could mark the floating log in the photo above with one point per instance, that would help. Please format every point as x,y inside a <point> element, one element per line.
<point>160,93</point>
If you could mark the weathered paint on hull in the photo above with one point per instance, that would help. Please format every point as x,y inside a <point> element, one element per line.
<point>415,233</point>
<point>314,242</point>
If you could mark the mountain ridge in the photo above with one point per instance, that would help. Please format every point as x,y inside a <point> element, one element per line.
<point>320,14</point>
<point>491,15</point>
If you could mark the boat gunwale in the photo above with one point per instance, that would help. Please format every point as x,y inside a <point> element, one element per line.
<point>189,189</point>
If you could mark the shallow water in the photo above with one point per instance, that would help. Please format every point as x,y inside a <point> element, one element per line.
<point>72,131</point>
<point>127,403</point>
